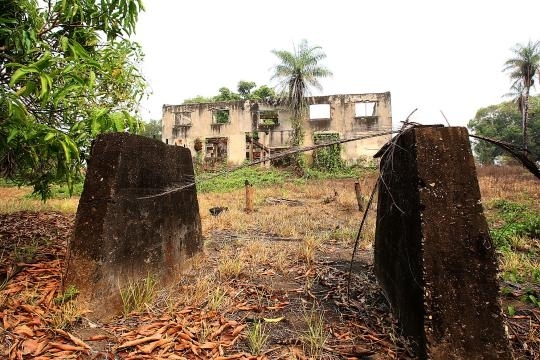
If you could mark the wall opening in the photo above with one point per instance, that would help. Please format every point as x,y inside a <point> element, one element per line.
<point>216,148</point>
<point>365,108</point>
<point>182,118</point>
<point>319,112</point>
<point>182,123</point>
<point>268,118</point>
<point>327,158</point>
<point>221,116</point>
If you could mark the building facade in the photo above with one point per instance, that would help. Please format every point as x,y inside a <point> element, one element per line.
<point>246,129</point>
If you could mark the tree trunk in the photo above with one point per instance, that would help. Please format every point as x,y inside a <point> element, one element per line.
<point>525,117</point>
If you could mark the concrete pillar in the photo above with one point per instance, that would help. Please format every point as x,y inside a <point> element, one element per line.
<point>433,254</point>
<point>119,235</point>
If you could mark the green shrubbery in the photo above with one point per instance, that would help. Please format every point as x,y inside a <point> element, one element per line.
<point>517,221</point>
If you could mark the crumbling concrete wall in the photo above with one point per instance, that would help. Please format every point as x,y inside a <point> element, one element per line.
<point>183,124</point>
<point>119,235</point>
<point>433,254</point>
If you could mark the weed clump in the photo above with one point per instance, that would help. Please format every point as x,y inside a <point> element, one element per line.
<point>137,294</point>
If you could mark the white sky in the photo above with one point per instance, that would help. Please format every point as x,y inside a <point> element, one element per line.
<point>431,55</point>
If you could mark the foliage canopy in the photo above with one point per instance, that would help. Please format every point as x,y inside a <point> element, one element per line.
<point>67,73</point>
<point>247,90</point>
<point>152,129</point>
<point>503,122</point>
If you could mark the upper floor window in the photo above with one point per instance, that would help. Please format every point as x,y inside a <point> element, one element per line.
<point>319,112</point>
<point>182,118</point>
<point>221,116</point>
<point>365,108</point>
<point>268,118</point>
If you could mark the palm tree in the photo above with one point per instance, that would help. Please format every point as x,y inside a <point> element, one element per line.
<point>297,72</point>
<point>523,68</point>
<point>516,94</point>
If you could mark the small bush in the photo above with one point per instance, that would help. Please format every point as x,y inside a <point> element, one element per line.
<point>327,158</point>
<point>60,191</point>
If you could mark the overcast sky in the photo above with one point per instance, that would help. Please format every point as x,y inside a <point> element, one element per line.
<point>431,55</point>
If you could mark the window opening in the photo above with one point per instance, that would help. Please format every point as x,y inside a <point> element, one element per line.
<point>216,148</point>
<point>319,112</point>
<point>182,118</point>
<point>365,108</point>
<point>268,118</point>
<point>221,116</point>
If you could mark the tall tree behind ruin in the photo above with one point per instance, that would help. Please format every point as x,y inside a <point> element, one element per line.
<point>503,122</point>
<point>296,73</point>
<point>523,68</point>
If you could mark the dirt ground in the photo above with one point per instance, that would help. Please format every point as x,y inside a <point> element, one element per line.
<point>274,282</point>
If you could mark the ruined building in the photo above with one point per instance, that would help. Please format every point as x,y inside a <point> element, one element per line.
<point>238,130</point>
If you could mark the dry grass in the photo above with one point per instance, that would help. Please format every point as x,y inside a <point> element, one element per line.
<point>67,314</point>
<point>16,199</point>
<point>314,219</point>
<point>512,183</point>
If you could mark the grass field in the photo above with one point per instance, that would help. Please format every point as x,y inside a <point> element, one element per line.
<point>274,282</point>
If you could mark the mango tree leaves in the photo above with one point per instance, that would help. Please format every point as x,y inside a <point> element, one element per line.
<point>67,73</point>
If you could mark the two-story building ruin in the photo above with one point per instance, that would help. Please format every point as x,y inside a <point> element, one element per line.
<point>246,129</point>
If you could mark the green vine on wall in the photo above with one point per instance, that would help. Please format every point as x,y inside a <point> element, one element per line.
<point>327,158</point>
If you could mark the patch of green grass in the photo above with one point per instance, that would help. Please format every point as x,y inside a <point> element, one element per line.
<point>68,295</point>
<point>256,338</point>
<point>216,299</point>
<point>345,172</point>
<point>259,176</point>
<point>518,267</point>
<point>236,180</point>
<point>516,220</point>
<point>316,335</point>
<point>7,183</point>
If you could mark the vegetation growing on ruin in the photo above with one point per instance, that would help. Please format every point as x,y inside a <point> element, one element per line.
<point>247,90</point>
<point>327,158</point>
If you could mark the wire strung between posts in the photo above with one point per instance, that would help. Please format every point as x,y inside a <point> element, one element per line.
<point>386,149</point>
<point>270,158</point>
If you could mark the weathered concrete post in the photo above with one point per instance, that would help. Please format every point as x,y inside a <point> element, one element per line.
<point>119,235</point>
<point>433,254</point>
